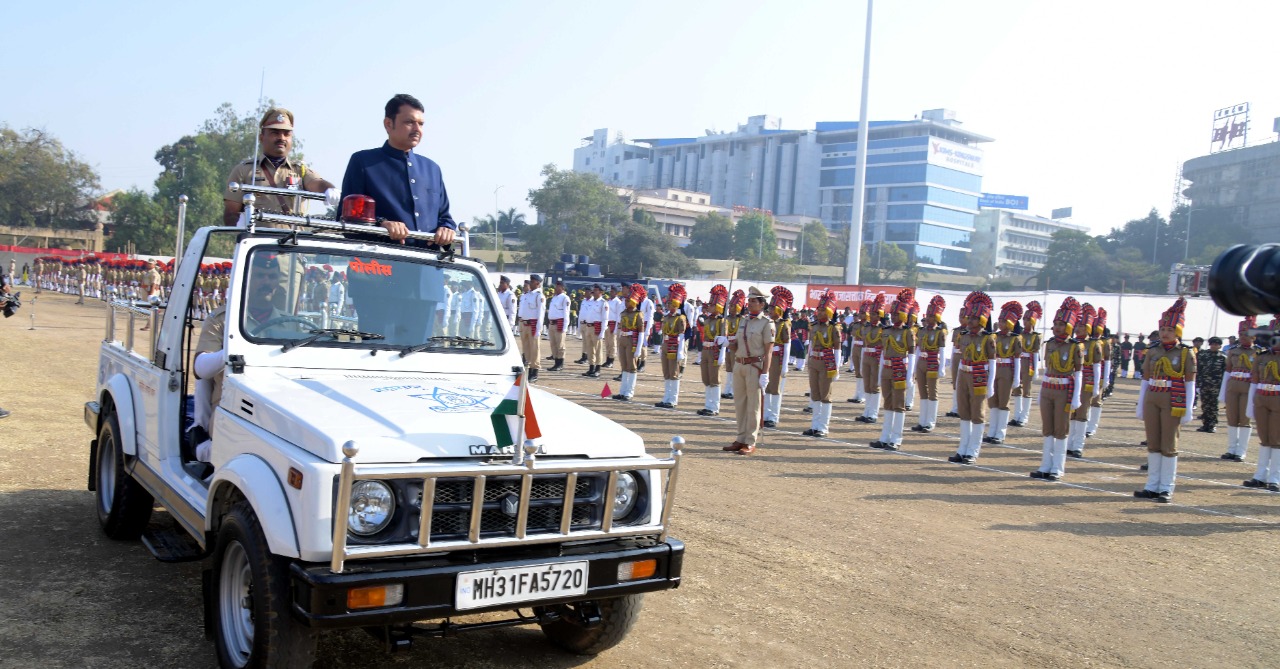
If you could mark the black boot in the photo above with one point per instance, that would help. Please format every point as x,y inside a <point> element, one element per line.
<point>640,365</point>
<point>608,362</point>
<point>533,374</point>
<point>558,366</point>
<point>593,372</point>
<point>581,360</point>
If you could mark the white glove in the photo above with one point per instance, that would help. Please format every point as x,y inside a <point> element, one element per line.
<point>1248,411</point>
<point>1075,390</point>
<point>1017,373</point>
<point>991,378</point>
<point>764,381</point>
<point>1191,402</point>
<point>1098,383</point>
<point>1142,396</point>
<point>722,341</point>
<point>1222,392</point>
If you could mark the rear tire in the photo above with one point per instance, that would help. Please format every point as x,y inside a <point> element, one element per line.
<point>253,624</point>
<point>124,506</point>
<point>617,616</point>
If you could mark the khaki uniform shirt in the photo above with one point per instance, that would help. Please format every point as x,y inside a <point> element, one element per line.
<point>290,174</point>
<point>755,337</point>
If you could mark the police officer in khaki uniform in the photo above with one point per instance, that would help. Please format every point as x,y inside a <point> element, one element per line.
<point>1030,363</point>
<point>1091,380</point>
<point>1060,390</point>
<point>824,363</point>
<point>779,307</point>
<point>1264,408</point>
<point>973,379</point>
<point>932,354</point>
<point>1234,391</point>
<point>274,169</point>
<point>630,341</point>
<point>1164,402</point>
<point>737,303</point>
<point>674,325</point>
<point>872,330</point>
<point>753,352</point>
<point>1008,376</point>
<point>897,364</point>
<point>714,343</point>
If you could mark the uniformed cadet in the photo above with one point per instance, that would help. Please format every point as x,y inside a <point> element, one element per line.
<point>674,325</point>
<point>647,308</point>
<point>274,169</point>
<point>1264,409</point>
<point>973,379</point>
<point>872,329</point>
<point>1211,366</point>
<point>82,278</point>
<point>529,316</point>
<point>630,341</point>
<point>897,365</point>
<point>736,304</point>
<point>595,319</point>
<point>780,360</point>
<point>855,351</point>
<point>1008,376</point>
<point>1092,380</point>
<point>1164,402</point>
<point>932,360</point>
<point>1030,364</point>
<point>1105,351</point>
<point>616,305</point>
<point>557,317</point>
<point>824,363</point>
<point>754,349</point>
<point>715,342</point>
<point>1060,390</point>
<point>1234,392</point>
<point>962,327</point>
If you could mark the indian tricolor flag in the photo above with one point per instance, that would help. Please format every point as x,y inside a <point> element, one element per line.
<point>506,418</point>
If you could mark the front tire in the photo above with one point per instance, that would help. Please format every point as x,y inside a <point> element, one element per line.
<point>617,616</point>
<point>124,506</point>
<point>252,623</point>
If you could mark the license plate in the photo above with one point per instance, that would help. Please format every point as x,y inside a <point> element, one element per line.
<point>492,587</point>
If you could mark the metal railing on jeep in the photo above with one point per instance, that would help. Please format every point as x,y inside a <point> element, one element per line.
<point>464,497</point>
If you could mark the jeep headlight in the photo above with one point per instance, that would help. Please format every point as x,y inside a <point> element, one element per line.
<point>625,494</point>
<point>372,503</point>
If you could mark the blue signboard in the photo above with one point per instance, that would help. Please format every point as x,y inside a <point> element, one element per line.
<point>997,201</point>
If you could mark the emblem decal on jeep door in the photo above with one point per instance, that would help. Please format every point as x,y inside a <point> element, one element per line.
<point>450,401</point>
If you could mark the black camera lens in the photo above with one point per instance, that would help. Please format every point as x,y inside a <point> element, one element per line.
<point>1245,280</point>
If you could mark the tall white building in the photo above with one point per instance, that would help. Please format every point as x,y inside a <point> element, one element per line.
<point>1013,244</point>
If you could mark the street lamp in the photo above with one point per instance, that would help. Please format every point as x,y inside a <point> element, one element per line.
<point>1186,249</point>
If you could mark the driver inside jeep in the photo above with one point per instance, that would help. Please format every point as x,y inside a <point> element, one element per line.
<point>264,282</point>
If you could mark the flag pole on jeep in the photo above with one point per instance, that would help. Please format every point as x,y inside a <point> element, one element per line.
<point>522,377</point>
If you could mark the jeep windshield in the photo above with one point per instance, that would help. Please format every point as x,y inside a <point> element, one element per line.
<point>308,297</point>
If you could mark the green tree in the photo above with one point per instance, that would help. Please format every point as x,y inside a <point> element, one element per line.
<point>887,263</point>
<point>753,230</point>
<point>642,250</point>
<point>838,249</point>
<point>712,237</point>
<point>139,220</point>
<point>815,244</point>
<point>1074,259</point>
<point>41,182</point>
<point>646,219</point>
<point>769,269</point>
<point>576,209</point>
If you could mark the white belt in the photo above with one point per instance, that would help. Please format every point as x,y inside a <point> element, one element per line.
<point>1241,375</point>
<point>966,368</point>
<point>1269,387</point>
<point>1024,355</point>
<point>1160,383</point>
<point>857,342</point>
<point>1057,380</point>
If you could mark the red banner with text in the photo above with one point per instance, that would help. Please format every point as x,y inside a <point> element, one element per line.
<point>848,296</point>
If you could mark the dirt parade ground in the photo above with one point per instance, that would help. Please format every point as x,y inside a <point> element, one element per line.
<point>810,553</point>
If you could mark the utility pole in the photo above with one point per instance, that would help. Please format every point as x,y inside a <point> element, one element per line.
<point>852,259</point>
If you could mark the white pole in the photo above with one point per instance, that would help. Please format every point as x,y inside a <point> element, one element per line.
<point>860,175</point>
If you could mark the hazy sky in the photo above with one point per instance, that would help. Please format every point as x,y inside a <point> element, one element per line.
<point>1091,103</point>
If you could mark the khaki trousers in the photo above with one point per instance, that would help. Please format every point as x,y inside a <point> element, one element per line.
<point>1266,413</point>
<point>746,402</point>
<point>928,387</point>
<point>592,345</point>
<point>710,365</point>
<point>1238,402</point>
<point>557,341</point>
<point>611,343</point>
<point>1028,374</point>
<point>671,367</point>
<point>870,373</point>
<point>972,408</point>
<point>893,399</point>
<point>530,345</point>
<point>776,374</point>
<point>1004,387</point>
<point>627,353</point>
<point>1055,411</point>
<point>855,353</point>
<point>1162,426</point>
<point>819,382</point>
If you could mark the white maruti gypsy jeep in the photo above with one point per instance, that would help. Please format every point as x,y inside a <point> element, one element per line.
<point>356,474</point>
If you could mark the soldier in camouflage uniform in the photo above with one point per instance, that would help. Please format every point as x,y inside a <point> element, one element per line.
<point>1211,365</point>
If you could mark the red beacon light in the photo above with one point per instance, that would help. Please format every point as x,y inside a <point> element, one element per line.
<point>358,209</point>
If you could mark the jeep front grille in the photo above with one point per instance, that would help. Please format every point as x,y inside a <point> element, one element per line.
<point>497,505</point>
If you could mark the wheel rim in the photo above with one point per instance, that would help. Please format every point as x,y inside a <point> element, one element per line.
<point>106,474</point>
<point>235,604</point>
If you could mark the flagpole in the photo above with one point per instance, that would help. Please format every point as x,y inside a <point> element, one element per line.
<point>517,458</point>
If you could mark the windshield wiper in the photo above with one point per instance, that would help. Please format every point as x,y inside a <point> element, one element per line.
<point>333,333</point>
<point>443,339</point>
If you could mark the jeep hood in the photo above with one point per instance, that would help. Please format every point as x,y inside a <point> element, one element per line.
<point>400,419</point>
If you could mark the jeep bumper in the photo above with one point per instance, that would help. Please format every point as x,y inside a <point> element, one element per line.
<point>320,596</point>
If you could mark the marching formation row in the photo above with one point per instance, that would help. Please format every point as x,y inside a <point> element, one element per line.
<point>898,356</point>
